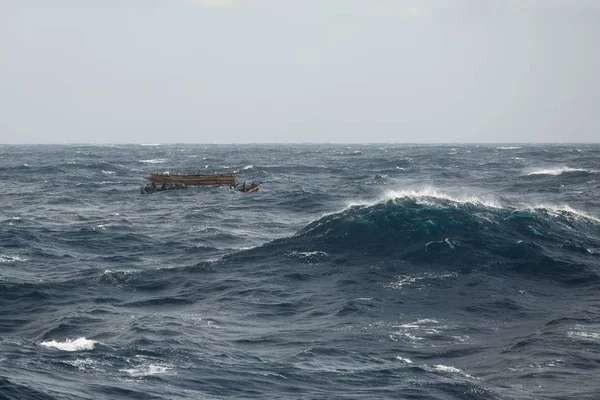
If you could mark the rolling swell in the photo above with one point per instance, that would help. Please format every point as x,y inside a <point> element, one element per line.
<point>468,236</point>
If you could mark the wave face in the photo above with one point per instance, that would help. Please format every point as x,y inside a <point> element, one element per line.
<point>363,271</point>
<point>427,231</point>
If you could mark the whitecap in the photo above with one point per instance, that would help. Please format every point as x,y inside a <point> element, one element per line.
<point>584,335</point>
<point>153,161</point>
<point>561,209</point>
<point>148,369</point>
<point>106,225</point>
<point>274,374</point>
<point>451,370</point>
<point>310,253</point>
<point>559,170</point>
<point>415,280</point>
<point>426,321</point>
<point>412,337</point>
<point>248,167</point>
<point>71,344</point>
<point>404,360</point>
<point>424,196</point>
<point>10,259</point>
<point>508,147</point>
<point>428,196</point>
<point>88,363</point>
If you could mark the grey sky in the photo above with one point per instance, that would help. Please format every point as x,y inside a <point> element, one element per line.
<point>233,71</point>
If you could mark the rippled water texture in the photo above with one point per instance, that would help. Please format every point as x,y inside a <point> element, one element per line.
<point>355,272</point>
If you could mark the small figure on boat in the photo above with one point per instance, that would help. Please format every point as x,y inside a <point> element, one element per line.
<point>149,188</point>
<point>249,187</point>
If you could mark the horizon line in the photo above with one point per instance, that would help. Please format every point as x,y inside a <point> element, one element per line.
<point>287,143</point>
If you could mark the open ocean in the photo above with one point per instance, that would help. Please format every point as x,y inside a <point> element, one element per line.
<point>355,272</point>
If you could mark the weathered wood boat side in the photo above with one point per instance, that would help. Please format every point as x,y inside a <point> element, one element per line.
<point>192,180</point>
<point>161,181</point>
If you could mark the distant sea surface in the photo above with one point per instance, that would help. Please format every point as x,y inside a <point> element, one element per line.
<point>355,272</point>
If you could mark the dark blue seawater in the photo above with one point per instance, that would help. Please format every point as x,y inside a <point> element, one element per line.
<point>355,272</point>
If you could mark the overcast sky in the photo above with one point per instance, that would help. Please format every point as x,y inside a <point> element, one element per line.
<point>234,71</point>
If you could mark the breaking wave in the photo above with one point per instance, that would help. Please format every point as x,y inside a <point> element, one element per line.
<point>561,170</point>
<point>432,229</point>
<point>78,344</point>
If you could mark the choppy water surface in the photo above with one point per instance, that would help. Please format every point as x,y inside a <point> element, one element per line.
<point>355,272</point>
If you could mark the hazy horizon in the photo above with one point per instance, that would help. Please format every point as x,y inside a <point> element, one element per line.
<point>332,72</point>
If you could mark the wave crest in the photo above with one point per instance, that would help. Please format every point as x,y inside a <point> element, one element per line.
<point>429,228</point>
<point>78,344</point>
<point>561,170</point>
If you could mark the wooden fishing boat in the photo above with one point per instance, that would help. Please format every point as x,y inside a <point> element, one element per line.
<point>161,181</point>
<point>159,178</point>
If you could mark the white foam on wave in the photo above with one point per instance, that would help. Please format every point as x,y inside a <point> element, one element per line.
<point>595,336</point>
<point>108,172</point>
<point>248,167</point>
<point>147,370</point>
<point>404,360</point>
<point>106,225</point>
<point>87,364</point>
<point>538,366</point>
<point>508,147</point>
<point>309,253</point>
<point>426,325</point>
<point>561,209</point>
<point>426,321</point>
<point>452,370</point>
<point>417,332</point>
<point>425,195</point>
<point>71,344</point>
<point>274,374</point>
<point>418,281</point>
<point>108,274</point>
<point>559,170</point>
<point>10,259</point>
<point>412,337</point>
<point>449,242</point>
<point>432,197</point>
<point>153,161</point>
